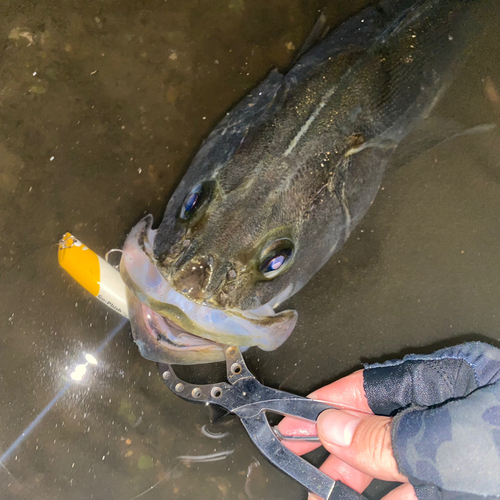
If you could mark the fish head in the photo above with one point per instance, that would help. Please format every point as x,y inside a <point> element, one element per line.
<point>213,270</point>
<point>229,251</point>
<point>218,251</point>
<point>255,230</point>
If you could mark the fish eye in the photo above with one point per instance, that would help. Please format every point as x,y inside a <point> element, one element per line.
<point>192,201</point>
<point>276,258</point>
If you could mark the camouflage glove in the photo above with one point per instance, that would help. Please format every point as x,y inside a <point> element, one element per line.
<point>446,429</point>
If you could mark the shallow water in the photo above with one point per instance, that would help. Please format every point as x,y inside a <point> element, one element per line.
<point>102,105</point>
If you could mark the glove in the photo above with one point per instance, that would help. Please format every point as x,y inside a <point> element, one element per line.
<point>446,429</point>
<point>438,431</point>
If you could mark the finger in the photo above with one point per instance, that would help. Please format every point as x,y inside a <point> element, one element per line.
<point>346,392</point>
<point>340,471</point>
<point>362,441</point>
<point>295,427</point>
<point>403,492</point>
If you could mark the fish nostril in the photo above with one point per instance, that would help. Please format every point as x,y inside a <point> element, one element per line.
<point>187,255</point>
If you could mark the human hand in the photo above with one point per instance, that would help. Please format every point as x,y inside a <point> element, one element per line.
<point>443,438</point>
<point>359,442</point>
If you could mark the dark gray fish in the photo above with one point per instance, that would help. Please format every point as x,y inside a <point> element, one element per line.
<point>284,178</point>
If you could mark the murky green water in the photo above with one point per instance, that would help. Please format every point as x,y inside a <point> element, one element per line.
<point>102,105</point>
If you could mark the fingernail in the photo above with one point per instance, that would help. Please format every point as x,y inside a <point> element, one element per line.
<point>337,427</point>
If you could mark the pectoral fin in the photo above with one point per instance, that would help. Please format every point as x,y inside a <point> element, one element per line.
<point>431,133</point>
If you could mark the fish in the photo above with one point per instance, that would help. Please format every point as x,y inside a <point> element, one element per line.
<point>284,178</point>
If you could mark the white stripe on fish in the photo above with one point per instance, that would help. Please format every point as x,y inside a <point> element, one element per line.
<point>310,120</point>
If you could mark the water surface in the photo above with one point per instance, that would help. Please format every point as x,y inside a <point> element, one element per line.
<point>102,105</point>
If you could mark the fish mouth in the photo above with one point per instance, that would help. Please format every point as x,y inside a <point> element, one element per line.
<point>169,328</point>
<point>160,339</point>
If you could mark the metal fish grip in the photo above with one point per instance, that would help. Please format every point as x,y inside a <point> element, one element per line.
<point>247,398</point>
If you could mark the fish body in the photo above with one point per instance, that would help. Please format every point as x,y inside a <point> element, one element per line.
<point>284,178</point>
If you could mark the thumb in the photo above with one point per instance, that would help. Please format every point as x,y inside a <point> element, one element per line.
<point>362,441</point>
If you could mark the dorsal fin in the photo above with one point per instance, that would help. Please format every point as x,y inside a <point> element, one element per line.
<point>318,32</point>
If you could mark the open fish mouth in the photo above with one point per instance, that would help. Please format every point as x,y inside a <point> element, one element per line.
<point>169,328</point>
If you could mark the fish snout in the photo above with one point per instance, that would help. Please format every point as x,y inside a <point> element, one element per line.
<point>206,280</point>
<point>193,278</point>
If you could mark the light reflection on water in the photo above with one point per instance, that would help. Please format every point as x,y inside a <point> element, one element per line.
<point>77,374</point>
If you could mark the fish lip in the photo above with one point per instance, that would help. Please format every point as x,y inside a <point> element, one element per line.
<point>162,341</point>
<point>262,327</point>
<point>158,324</point>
